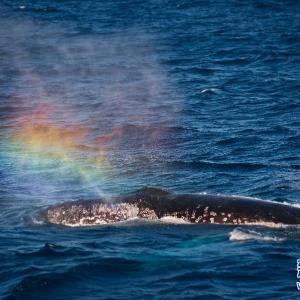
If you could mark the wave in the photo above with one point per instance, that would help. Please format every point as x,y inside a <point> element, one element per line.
<point>210,90</point>
<point>134,134</point>
<point>54,281</point>
<point>52,250</point>
<point>241,235</point>
<point>232,166</point>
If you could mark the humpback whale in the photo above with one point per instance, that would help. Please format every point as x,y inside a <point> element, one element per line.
<point>154,204</point>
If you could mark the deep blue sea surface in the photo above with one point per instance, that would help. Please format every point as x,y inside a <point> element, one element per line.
<point>100,98</point>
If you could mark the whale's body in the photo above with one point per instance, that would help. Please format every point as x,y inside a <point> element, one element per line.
<point>152,203</point>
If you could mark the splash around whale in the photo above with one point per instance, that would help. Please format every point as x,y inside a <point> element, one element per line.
<point>157,204</point>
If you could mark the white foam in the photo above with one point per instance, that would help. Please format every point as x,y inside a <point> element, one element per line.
<point>173,220</point>
<point>245,197</point>
<point>167,219</point>
<point>37,222</point>
<point>264,224</point>
<point>82,223</point>
<point>254,198</point>
<point>271,201</point>
<point>239,235</point>
<point>214,90</point>
<point>291,204</point>
<point>268,224</point>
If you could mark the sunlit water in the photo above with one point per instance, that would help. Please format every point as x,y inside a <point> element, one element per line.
<point>99,98</point>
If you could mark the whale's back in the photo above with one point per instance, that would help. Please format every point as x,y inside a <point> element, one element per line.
<point>155,203</point>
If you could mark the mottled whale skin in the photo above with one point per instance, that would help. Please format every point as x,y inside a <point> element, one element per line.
<point>153,203</point>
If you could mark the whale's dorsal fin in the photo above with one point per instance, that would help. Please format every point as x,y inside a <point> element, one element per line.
<point>152,192</point>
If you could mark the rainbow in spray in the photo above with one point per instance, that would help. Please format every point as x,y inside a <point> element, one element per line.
<point>42,144</point>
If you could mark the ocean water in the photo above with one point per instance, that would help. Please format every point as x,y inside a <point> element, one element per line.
<point>99,98</point>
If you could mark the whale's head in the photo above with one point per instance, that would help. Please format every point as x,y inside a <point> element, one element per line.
<point>90,212</point>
